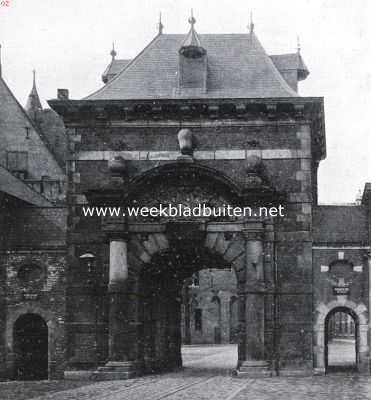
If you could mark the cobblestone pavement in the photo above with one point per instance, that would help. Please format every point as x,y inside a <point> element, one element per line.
<point>207,376</point>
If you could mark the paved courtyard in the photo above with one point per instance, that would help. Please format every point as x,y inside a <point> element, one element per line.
<point>206,376</point>
<point>342,352</point>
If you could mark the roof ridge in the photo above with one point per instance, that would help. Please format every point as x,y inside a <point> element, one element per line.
<point>124,69</point>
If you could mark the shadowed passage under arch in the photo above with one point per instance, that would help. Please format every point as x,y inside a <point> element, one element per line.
<point>161,283</point>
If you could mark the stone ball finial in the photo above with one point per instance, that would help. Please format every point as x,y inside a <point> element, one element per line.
<point>117,166</point>
<point>186,142</point>
<point>254,171</point>
<point>253,164</point>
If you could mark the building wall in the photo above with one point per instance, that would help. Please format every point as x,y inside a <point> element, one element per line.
<point>34,262</point>
<point>215,295</point>
<point>33,256</point>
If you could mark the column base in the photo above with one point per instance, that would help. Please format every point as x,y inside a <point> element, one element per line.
<point>115,370</point>
<point>319,371</point>
<point>254,369</point>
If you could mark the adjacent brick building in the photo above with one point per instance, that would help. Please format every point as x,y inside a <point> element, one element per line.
<point>32,243</point>
<point>208,119</point>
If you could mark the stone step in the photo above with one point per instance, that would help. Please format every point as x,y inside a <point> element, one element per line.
<point>254,369</point>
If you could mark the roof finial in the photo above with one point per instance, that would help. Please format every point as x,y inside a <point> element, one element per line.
<point>0,62</point>
<point>251,24</point>
<point>34,77</point>
<point>113,51</point>
<point>160,25</point>
<point>298,47</point>
<point>192,19</point>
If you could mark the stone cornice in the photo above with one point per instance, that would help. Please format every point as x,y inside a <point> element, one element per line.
<point>268,109</point>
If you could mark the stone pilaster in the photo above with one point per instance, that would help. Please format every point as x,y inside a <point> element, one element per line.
<point>254,363</point>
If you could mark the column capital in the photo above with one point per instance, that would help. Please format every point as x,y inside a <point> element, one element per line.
<point>115,228</point>
<point>254,234</point>
<point>117,236</point>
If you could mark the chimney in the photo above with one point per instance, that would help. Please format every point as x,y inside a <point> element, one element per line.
<point>62,94</point>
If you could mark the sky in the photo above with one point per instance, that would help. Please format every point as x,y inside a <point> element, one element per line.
<point>68,43</point>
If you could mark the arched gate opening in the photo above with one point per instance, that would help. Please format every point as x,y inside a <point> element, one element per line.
<point>341,340</point>
<point>162,282</point>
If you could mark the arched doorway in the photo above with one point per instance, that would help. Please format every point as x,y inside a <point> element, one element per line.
<point>341,340</point>
<point>30,335</point>
<point>162,282</point>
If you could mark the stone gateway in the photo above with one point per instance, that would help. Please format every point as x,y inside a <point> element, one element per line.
<point>193,119</point>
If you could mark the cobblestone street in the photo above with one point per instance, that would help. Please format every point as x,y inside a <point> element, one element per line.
<point>206,376</point>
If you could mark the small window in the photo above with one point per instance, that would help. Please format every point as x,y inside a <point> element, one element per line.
<point>198,319</point>
<point>17,163</point>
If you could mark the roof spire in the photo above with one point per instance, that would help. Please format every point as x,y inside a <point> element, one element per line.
<point>160,25</point>
<point>0,62</point>
<point>33,102</point>
<point>113,51</point>
<point>298,47</point>
<point>251,24</point>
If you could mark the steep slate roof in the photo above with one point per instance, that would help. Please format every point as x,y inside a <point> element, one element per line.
<point>14,119</point>
<point>238,66</point>
<point>292,61</point>
<point>340,224</point>
<point>113,68</point>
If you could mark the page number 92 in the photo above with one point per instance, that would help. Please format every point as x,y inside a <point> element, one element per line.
<point>5,3</point>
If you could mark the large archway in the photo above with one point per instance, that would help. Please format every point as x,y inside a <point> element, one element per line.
<point>151,256</point>
<point>161,284</point>
<point>30,337</point>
